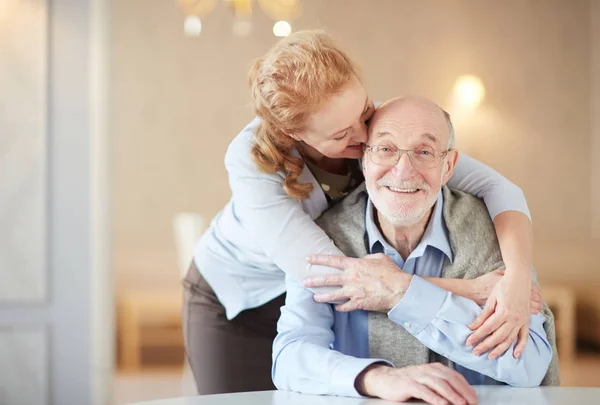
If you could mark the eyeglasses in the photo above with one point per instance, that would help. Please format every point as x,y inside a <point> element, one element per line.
<point>423,158</point>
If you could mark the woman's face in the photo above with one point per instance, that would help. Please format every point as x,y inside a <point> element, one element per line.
<point>339,130</point>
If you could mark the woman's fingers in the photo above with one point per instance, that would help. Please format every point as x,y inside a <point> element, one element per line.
<point>523,337</point>
<point>488,310</point>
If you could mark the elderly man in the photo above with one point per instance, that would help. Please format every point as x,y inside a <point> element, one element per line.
<point>406,326</point>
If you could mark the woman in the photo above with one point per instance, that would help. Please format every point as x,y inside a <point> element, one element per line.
<point>298,157</point>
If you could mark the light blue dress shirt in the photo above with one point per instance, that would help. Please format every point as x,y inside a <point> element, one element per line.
<point>321,351</point>
<point>262,234</point>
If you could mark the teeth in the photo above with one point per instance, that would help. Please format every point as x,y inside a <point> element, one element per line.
<point>403,190</point>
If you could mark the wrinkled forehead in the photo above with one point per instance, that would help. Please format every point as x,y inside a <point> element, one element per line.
<point>408,123</point>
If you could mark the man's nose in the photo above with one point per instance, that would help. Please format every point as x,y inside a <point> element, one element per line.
<point>403,168</point>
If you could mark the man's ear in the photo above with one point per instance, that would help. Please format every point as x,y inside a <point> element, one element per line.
<point>449,165</point>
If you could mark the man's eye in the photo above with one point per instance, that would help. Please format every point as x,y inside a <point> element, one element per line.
<point>423,152</point>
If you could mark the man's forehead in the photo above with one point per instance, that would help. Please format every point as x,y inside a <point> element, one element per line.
<point>426,123</point>
<point>414,132</point>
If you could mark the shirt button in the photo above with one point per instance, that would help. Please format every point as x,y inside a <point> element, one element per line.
<point>407,324</point>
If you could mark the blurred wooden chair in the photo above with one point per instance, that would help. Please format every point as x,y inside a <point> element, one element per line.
<point>138,309</point>
<point>562,302</point>
<point>141,308</point>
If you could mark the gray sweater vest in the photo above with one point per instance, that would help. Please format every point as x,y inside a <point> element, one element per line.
<point>475,252</point>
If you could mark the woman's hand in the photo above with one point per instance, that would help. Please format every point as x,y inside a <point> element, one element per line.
<point>482,287</point>
<point>505,316</point>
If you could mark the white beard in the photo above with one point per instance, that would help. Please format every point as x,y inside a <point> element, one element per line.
<point>400,216</point>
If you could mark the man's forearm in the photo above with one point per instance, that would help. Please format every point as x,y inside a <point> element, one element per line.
<point>440,321</point>
<point>303,360</point>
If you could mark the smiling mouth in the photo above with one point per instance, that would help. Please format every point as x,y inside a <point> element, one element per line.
<point>403,190</point>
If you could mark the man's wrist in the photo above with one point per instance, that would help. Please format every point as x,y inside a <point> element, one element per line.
<point>401,285</point>
<point>364,381</point>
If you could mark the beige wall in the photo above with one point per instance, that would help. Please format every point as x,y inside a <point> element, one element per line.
<point>178,102</point>
<point>595,118</point>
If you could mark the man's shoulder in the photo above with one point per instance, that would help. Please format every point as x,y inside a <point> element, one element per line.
<point>353,206</point>
<point>344,223</point>
<point>472,235</point>
<point>462,209</point>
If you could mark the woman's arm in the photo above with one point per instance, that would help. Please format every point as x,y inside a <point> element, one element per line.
<point>275,221</point>
<point>508,305</point>
<point>457,286</point>
<point>479,289</point>
<point>506,313</point>
<point>499,194</point>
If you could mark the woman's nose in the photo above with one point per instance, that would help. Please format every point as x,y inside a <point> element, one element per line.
<point>360,135</point>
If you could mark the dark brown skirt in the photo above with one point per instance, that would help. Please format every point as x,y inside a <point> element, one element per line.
<point>227,356</point>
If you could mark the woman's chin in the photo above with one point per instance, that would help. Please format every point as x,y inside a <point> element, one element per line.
<point>352,153</point>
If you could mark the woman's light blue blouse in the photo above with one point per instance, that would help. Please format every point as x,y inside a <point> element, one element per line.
<point>262,233</point>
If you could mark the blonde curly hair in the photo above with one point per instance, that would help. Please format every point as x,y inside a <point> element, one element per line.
<point>294,79</point>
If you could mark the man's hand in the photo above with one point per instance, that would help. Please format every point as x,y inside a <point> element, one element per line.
<point>505,317</point>
<point>433,383</point>
<point>373,283</point>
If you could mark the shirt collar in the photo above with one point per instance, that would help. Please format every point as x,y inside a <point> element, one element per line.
<point>436,233</point>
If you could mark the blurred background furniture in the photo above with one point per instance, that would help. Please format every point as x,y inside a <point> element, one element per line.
<point>141,310</point>
<point>155,309</point>
<point>561,300</point>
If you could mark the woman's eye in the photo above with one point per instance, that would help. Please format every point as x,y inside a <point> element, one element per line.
<point>339,138</point>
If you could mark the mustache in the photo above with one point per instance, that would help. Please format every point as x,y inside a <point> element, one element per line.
<point>407,184</point>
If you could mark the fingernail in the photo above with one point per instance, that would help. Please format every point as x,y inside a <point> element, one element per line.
<point>493,356</point>
<point>518,355</point>
<point>476,352</point>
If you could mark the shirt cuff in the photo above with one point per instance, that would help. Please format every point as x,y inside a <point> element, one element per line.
<point>343,379</point>
<point>420,304</point>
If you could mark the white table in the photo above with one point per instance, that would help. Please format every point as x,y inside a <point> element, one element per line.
<point>488,395</point>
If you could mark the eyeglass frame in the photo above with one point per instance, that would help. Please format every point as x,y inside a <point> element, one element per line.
<point>439,156</point>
